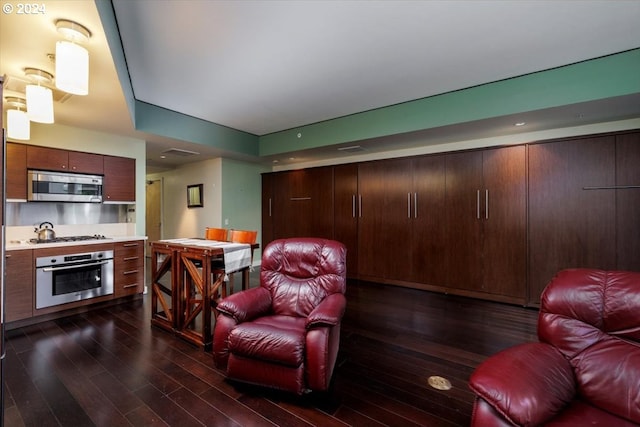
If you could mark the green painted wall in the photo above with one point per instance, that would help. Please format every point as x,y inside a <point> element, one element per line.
<point>242,196</point>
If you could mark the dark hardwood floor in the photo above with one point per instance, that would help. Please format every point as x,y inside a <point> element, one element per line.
<point>111,368</point>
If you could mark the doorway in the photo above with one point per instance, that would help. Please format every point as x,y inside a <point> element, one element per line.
<point>153,212</point>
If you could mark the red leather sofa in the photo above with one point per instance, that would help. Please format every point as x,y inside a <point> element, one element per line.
<point>585,369</point>
<point>285,334</point>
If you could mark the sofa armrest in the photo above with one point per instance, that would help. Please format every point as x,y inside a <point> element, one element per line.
<point>246,305</point>
<point>328,313</point>
<point>527,384</point>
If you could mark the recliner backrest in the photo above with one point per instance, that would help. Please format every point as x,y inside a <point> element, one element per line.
<point>301,272</point>
<point>593,318</point>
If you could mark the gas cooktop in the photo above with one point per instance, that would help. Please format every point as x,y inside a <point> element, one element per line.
<point>69,239</point>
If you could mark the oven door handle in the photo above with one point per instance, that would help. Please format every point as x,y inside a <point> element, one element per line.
<point>71,267</point>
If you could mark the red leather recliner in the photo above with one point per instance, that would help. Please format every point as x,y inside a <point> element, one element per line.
<point>285,333</point>
<point>586,368</point>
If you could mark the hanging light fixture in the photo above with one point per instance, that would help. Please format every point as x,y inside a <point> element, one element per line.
<point>39,98</point>
<point>72,60</point>
<point>18,126</point>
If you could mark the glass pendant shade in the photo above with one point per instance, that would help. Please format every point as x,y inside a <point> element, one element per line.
<point>39,104</point>
<point>72,68</point>
<point>18,126</point>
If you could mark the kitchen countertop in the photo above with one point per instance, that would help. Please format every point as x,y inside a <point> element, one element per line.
<point>14,245</point>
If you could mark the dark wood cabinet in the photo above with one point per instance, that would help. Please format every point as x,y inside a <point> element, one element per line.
<point>128,260</point>
<point>486,222</point>
<point>572,218</point>
<point>45,158</point>
<point>628,201</point>
<point>119,179</point>
<point>86,163</point>
<point>345,214</point>
<point>55,159</point>
<point>19,286</point>
<point>16,176</point>
<point>428,233</point>
<point>302,203</point>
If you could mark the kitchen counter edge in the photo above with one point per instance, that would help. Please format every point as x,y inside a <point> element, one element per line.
<point>12,246</point>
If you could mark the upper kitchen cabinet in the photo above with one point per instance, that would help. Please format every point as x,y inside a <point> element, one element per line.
<point>54,159</point>
<point>572,208</point>
<point>119,180</point>
<point>486,222</point>
<point>16,185</point>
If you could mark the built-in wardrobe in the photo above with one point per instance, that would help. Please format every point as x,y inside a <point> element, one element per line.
<point>493,223</point>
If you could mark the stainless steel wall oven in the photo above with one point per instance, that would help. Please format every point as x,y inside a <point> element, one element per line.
<point>67,278</point>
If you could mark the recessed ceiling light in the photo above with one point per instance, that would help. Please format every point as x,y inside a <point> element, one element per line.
<point>163,157</point>
<point>521,123</point>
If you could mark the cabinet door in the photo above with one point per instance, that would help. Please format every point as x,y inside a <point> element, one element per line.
<point>384,222</point>
<point>19,285</point>
<point>428,226</point>
<point>628,201</point>
<point>86,163</point>
<point>16,171</point>
<point>267,208</point>
<point>345,196</point>
<point>464,197</point>
<point>571,221</point>
<point>46,158</point>
<point>119,179</point>
<point>504,263</point>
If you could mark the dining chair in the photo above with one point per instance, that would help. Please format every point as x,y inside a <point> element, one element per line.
<point>219,234</point>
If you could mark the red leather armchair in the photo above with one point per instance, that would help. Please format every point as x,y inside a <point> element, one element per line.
<point>586,368</point>
<point>285,333</point>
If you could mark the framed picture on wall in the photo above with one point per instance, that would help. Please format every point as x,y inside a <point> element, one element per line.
<point>194,196</point>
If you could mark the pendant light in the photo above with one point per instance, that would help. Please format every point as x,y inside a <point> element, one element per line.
<point>39,98</point>
<point>18,126</point>
<point>72,60</point>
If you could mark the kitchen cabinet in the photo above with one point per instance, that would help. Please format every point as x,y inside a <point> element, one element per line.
<point>19,285</point>
<point>119,185</point>
<point>572,215</point>
<point>486,222</point>
<point>128,259</point>
<point>345,215</point>
<point>54,159</point>
<point>16,185</point>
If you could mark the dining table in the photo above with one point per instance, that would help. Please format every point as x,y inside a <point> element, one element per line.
<point>188,276</point>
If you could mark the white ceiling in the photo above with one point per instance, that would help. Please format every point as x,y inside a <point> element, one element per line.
<point>267,66</point>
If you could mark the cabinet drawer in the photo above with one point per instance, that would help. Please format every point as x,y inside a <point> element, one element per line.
<point>128,281</point>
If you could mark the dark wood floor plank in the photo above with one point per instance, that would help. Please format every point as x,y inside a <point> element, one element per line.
<point>201,410</point>
<point>111,367</point>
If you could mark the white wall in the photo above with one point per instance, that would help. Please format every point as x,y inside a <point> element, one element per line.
<point>72,138</point>
<point>180,221</point>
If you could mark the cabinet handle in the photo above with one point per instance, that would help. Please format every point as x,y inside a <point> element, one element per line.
<point>612,187</point>
<point>129,272</point>
<point>478,204</point>
<point>7,256</point>
<point>486,204</point>
<point>297,199</point>
<point>269,206</point>
<point>130,258</point>
<point>415,205</point>
<point>130,286</point>
<point>360,205</point>
<point>353,205</point>
<point>129,245</point>
<point>408,205</point>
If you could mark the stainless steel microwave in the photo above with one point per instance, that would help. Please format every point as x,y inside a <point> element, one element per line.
<point>47,186</point>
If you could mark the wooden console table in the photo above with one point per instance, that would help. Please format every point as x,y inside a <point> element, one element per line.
<point>184,304</point>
